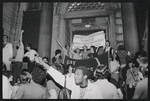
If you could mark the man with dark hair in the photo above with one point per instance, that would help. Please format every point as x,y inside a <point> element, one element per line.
<point>46,60</point>
<point>31,55</point>
<point>34,89</point>
<point>141,90</point>
<point>79,85</point>
<point>109,91</point>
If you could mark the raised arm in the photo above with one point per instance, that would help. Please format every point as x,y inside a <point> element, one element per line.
<point>59,43</point>
<point>21,35</point>
<point>57,76</point>
<point>71,50</point>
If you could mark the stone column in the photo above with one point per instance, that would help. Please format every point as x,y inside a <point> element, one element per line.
<point>45,33</point>
<point>130,31</point>
<point>62,30</point>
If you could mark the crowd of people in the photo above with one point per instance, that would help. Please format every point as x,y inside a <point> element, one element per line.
<point>126,77</point>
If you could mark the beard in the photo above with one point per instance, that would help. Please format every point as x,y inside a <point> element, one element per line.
<point>78,83</point>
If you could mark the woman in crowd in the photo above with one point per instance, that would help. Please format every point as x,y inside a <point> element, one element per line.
<point>76,54</point>
<point>66,50</point>
<point>141,89</point>
<point>131,79</point>
<point>85,52</point>
<point>124,55</point>
<point>114,69</point>
<point>108,48</point>
<point>92,53</point>
<point>137,58</point>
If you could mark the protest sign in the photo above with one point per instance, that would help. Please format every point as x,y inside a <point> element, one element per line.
<point>103,59</point>
<point>96,39</point>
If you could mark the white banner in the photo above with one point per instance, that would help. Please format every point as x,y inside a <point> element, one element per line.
<point>96,39</point>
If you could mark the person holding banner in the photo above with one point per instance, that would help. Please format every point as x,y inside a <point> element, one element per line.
<point>80,86</point>
<point>85,52</point>
<point>92,53</point>
<point>76,54</point>
<point>66,49</point>
<point>108,48</point>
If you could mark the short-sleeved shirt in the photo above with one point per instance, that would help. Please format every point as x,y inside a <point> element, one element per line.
<point>109,91</point>
<point>30,91</point>
<point>31,54</point>
<point>113,65</point>
<point>142,89</point>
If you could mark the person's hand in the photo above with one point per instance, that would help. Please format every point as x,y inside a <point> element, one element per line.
<point>22,31</point>
<point>11,59</point>
<point>38,60</point>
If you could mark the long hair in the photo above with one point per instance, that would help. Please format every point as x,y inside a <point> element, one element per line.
<point>117,58</point>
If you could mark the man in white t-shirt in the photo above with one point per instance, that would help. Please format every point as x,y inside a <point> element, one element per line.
<point>7,52</point>
<point>31,55</point>
<point>109,91</point>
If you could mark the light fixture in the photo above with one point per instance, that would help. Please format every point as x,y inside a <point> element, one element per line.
<point>87,25</point>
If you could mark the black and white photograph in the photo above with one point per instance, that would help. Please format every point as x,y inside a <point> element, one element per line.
<point>75,50</point>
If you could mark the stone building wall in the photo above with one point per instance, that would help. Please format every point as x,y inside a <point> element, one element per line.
<point>12,21</point>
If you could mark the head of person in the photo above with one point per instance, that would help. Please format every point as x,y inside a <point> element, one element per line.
<point>70,68</point>
<point>38,74</point>
<point>5,38</point>
<point>115,57</point>
<point>58,51</point>
<point>144,66</point>
<point>28,47</point>
<point>130,63</point>
<point>53,60</point>
<point>81,75</point>
<point>85,47</point>
<point>9,75</point>
<point>45,59</point>
<point>107,43</point>
<point>25,76</point>
<point>93,49</point>
<point>138,55</point>
<point>121,47</point>
<point>77,50</point>
<point>67,47</point>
